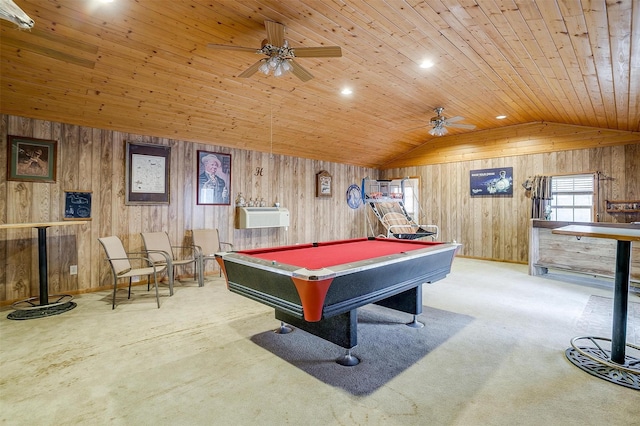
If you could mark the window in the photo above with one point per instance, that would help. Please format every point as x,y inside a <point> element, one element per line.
<point>573,197</point>
<point>411,193</point>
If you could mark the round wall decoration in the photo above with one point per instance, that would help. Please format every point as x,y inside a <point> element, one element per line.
<point>354,196</point>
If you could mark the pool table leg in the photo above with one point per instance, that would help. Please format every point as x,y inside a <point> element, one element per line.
<point>409,301</point>
<point>341,329</point>
<point>283,329</point>
<point>348,360</point>
<point>415,323</point>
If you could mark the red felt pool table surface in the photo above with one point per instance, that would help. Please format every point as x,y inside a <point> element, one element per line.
<point>327,254</point>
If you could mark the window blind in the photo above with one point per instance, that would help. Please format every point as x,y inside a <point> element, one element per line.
<point>573,184</point>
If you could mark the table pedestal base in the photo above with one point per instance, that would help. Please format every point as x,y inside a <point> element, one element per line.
<point>28,309</point>
<point>596,360</point>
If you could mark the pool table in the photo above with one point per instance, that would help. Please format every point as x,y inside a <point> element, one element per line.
<point>318,287</point>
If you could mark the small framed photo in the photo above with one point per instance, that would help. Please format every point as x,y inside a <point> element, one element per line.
<point>324,184</point>
<point>214,178</point>
<point>147,174</point>
<point>77,205</point>
<point>31,160</point>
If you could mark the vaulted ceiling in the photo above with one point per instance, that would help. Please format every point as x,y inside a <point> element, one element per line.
<point>144,67</point>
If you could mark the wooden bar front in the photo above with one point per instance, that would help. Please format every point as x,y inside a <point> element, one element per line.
<point>587,255</point>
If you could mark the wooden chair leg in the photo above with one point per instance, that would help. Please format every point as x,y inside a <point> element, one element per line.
<point>129,296</point>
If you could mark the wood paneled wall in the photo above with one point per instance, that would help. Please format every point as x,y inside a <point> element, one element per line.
<point>92,159</point>
<point>498,227</point>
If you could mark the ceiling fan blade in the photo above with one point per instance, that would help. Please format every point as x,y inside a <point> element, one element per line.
<point>461,126</point>
<point>318,52</point>
<point>299,71</point>
<point>227,47</point>
<point>251,70</point>
<point>454,119</point>
<point>275,33</point>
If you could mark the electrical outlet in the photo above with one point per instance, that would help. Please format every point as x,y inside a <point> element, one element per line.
<point>73,270</point>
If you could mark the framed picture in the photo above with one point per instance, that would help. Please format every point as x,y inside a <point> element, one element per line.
<point>492,182</point>
<point>147,174</point>
<point>214,178</point>
<point>77,205</point>
<point>324,184</point>
<point>31,160</point>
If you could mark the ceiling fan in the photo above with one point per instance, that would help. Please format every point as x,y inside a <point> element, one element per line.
<point>279,55</point>
<point>440,123</point>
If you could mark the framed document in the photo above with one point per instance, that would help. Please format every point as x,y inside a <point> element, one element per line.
<point>147,174</point>
<point>324,184</point>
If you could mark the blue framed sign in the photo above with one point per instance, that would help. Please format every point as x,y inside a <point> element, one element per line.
<point>492,182</point>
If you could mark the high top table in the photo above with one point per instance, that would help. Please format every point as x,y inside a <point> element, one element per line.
<point>612,365</point>
<point>27,309</point>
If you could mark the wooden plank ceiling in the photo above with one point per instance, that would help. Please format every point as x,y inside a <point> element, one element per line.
<point>144,67</point>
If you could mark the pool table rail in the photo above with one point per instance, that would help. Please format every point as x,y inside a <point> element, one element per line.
<point>332,271</point>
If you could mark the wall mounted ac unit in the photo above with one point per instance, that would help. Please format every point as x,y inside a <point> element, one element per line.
<point>261,217</point>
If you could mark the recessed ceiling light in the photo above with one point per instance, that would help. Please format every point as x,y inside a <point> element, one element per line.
<point>426,64</point>
<point>346,91</point>
<point>500,117</point>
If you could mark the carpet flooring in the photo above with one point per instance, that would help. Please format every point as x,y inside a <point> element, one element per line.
<point>596,319</point>
<point>492,354</point>
<point>386,347</point>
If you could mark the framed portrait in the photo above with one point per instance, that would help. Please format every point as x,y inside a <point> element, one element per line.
<point>324,184</point>
<point>214,178</point>
<point>77,205</point>
<point>492,182</point>
<point>31,160</point>
<point>147,174</point>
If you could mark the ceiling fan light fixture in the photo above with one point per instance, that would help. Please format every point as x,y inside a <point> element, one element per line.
<point>440,123</point>
<point>438,131</point>
<point>279,66</point>
<point>282,68</point>
<point>264,68</point>
<point>280,54</point>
